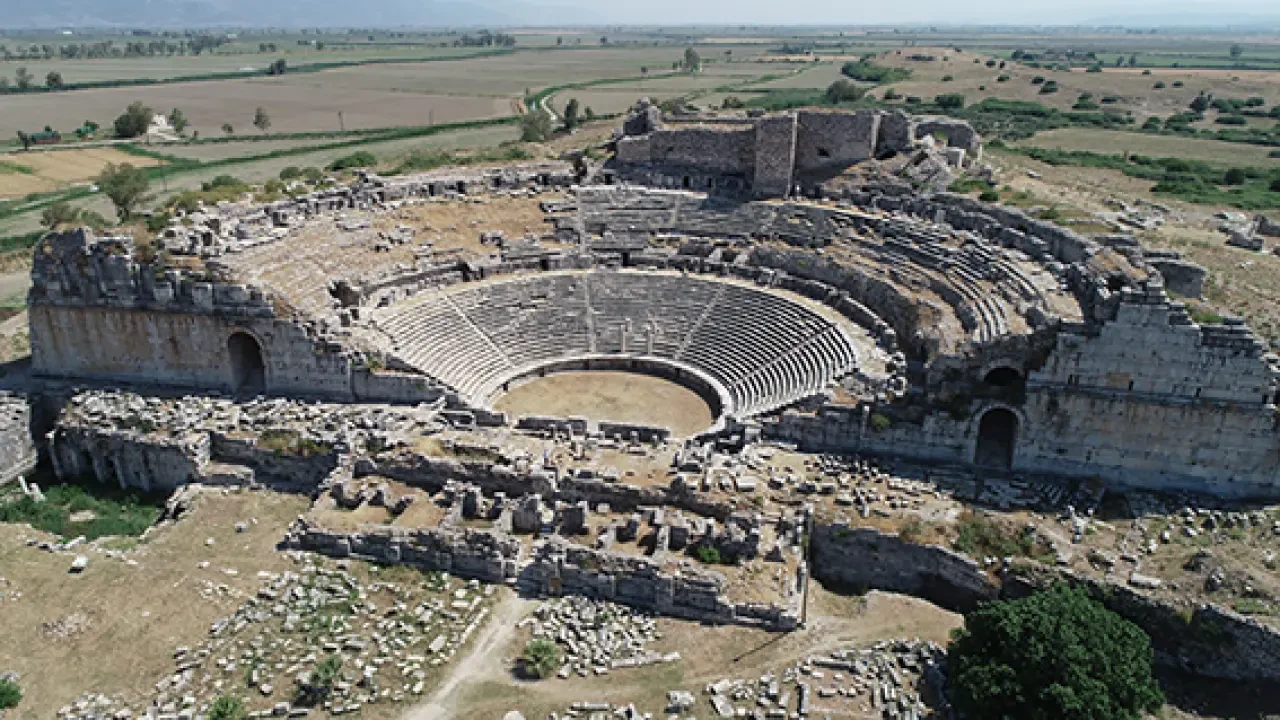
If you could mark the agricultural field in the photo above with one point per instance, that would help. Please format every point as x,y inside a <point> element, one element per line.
<point>1124,89</point>
<point>46,171</point>
<point>301,103</point>
<point>1117,142</point>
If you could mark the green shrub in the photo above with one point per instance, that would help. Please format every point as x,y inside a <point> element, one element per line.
<point>1002,78</point>
<point>227,707</point>
<point>318,684</point>
<point>1178,83</point>
<point>361,159</point>
<point>541,658</point>
<point>1037,80</point>
<point>1236,120</point>
<point>1159,85</point>
<point>981,536</point>
<point>1049,88</point>
<point>10,694</point>
<point>865,71</point>
<point>843,91</point>
<point>1275,185</point>
<point>1234,176</point>
<point>1056,654</point>
<point>891,94</point>
<point>880,423</point>
<point>291,173</point>
<point>1204,316</point>
<point>989,196</point>
<point>950,101</point>
<point>708,554</point>
<point>948,78</point>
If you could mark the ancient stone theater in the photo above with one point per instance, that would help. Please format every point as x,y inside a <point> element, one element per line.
<point>803,278</point>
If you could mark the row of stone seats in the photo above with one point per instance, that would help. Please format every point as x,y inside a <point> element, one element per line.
<point>767,350</point>
<point>464,362</point>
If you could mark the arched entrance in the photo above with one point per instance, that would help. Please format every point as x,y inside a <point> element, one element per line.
<point>248,372</point>
<point>997,435</point>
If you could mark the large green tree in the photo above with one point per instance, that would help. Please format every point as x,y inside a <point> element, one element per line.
<point>135,121</point>
<point>126,185</point>
<point>1055,654</point>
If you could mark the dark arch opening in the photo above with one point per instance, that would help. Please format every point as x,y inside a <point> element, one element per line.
<point>687,182</point>
<point>1003,377</point>
<point>997,435</point>
<point>248,371</point>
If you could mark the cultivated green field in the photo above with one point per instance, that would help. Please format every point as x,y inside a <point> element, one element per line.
<point>1113,142</point>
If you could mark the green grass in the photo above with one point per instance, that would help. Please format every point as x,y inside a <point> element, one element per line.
<point>1193,181</point>
<point>980,536</point>
<point>12,168</point>
<point>115,511</point>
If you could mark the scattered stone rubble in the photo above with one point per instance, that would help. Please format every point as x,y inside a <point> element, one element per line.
<point>597,636</point>
<point>390,636</point>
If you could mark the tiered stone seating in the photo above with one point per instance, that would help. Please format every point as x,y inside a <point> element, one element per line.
<point>767,351</point>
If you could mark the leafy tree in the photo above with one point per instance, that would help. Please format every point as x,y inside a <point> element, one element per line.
<point>125,185</point>
<point>588,114</point>
<point>228,128</point>
<point>23,78</point>
<point>1201,103</point>
<point>1275,185</point>
<point>1236,51</point>
<point>572,111</point>
<point>10,694</point>
<point>53,80</point>
<point>227,707</point>
<point>1234,176</point>
<point>25,139</point>
<point>58,214</point>
<point>692,60</point>
<point>135,120</point>
<point>261,120</point>
<point>541,658</point>
<point>535,126</point>
<point>1056,654</point>
<point>950,101</point>
<point>361,159</point>
<point>733,102</point>
<point>178,121</point>
<point>279,67</point>
<point>842,91</point>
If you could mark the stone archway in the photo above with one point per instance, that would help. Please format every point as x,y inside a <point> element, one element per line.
<point>248,371</point>
<point>997,438</point>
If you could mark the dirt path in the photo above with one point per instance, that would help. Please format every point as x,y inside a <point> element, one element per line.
<point>482,661</point>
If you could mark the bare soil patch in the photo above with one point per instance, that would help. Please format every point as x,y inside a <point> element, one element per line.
<point>616,396</point>
<point>53,169</point>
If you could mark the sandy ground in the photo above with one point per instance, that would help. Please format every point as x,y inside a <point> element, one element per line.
<point>64,630</point>
<point>487,688</point>
<point>616,396</point>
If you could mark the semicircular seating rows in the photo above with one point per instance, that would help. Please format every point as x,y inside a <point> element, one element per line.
<point>767,351</point>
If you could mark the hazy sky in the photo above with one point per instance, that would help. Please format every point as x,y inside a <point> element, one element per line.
<point>1052,12</point>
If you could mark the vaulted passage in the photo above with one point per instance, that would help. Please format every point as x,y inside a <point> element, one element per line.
<point>997,433</point>
<point>248,372</point>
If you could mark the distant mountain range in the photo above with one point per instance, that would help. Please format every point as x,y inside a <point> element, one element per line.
<point>287,13</point>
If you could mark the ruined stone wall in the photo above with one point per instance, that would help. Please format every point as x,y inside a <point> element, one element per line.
<point>775,156</point>
<point>17,451</point>
<point>1206,640</point>
<point>480,554</point>
<point>866,558</point>
<point>97,314</point>
<point>835,139</point>
<point>706,149</point>
<point>177,349</point>
<point>128,458</point>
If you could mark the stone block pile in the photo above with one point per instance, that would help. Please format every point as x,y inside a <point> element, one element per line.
<point>885,680</point>
<point>597,636</point>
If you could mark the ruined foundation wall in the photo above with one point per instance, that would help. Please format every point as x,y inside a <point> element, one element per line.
<point>775,156</point>
<point>17,451</point>
<point>866,558</point>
